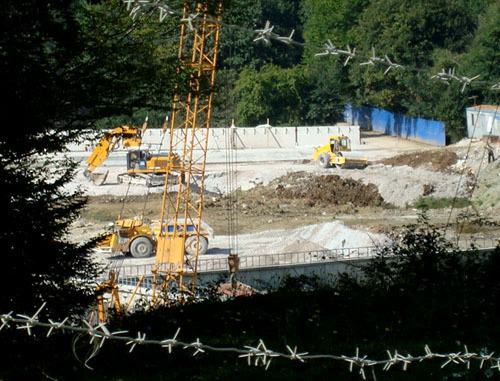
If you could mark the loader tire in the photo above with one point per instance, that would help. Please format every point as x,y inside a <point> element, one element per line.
<point>191,245</point>
<point>324,160</point>
<point>141,247</point>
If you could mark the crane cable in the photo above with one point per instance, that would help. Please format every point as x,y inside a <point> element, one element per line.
<point>231,185</point>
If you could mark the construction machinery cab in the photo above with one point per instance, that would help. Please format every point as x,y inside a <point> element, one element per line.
<point>137,159</point>
<point>340,143</point>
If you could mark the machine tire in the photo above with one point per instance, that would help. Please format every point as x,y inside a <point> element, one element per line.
<point>190,245</point>
<point>141,247</point>
<point>324,160</point>
<point>339,166</point>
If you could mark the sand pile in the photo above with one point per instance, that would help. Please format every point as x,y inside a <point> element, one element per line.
<point>324,236</point>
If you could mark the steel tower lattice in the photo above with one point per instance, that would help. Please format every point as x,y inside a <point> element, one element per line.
<point>182,202</point>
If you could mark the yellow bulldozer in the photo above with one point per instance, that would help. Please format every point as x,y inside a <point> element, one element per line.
<point>333,154</point>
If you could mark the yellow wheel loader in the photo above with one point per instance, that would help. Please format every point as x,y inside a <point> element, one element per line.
<point>333,154</point>
<point>137,238</point>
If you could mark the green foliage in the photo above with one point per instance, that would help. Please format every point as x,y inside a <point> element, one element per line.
<point>272,93</point>
<point>409,31</point>
<point>439,203</point>
<point>330,20</point>
<point>482,54</point>
<point>237,49</point>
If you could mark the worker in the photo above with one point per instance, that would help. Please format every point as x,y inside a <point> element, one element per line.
<point>491,156</point>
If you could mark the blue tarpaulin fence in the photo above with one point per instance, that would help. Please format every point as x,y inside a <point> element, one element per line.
<point>390,123</point>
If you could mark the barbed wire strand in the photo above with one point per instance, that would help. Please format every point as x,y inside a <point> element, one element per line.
<point>258,355</point>
<point>266,34</point>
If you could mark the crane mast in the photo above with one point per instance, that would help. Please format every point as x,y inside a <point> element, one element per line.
<point>182,201</point>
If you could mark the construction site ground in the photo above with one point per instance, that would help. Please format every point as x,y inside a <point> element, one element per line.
<point>285,202</point>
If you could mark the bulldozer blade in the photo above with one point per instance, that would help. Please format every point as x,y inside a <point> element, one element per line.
<point>99,178</point>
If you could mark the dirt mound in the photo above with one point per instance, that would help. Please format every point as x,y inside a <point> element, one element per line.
<point>327,190</point>
<point>435,160</point>
<point>487,191</point>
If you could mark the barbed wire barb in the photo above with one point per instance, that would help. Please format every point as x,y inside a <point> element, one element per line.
<point>486,358</point>
<point>296,356</point>
<point>373,59</point>
<point>349,53</point>
<point>6,318</point>
<point>189,21</point>
<point>445,76</point>
<point>138,340</point>
<point>56,325</point>
<point>264,34</point>
<point>329,48</point>
<point>286,40</point>
<point>392,65</point>
<point>197,345</point>
<point>165,11</point>
<point>467,81</point>
<point>30,320</point>
<point>169,343</point>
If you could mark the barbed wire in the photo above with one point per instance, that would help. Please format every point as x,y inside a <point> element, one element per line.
<point>259,355</point>
<point>266,34</point>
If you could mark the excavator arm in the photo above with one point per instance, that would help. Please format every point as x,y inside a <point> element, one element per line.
<point>128,136</point>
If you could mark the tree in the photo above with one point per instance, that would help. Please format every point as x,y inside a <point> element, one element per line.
<point>325,92</point>
<point>482,54</point>
<point>330,20</point>
<point>272,93</point>
<point>64,64</point>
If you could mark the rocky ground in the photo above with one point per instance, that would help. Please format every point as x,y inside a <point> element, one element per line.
<point>294,205</point>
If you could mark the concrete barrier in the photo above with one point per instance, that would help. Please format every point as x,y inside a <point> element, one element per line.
<point>249,137</point>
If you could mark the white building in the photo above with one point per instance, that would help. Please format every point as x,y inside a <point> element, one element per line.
<point>483,120</point>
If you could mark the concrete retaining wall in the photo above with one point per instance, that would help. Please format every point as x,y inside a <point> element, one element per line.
<point>251,137</point>
<point>401,126</point>
<point>272,276</point>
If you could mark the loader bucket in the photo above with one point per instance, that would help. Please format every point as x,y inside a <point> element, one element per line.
<point>99,178</point>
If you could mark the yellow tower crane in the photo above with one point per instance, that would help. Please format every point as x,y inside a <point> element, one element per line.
<point>190,124</point>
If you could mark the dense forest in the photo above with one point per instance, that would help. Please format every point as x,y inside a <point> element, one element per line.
<point>291,86</point>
